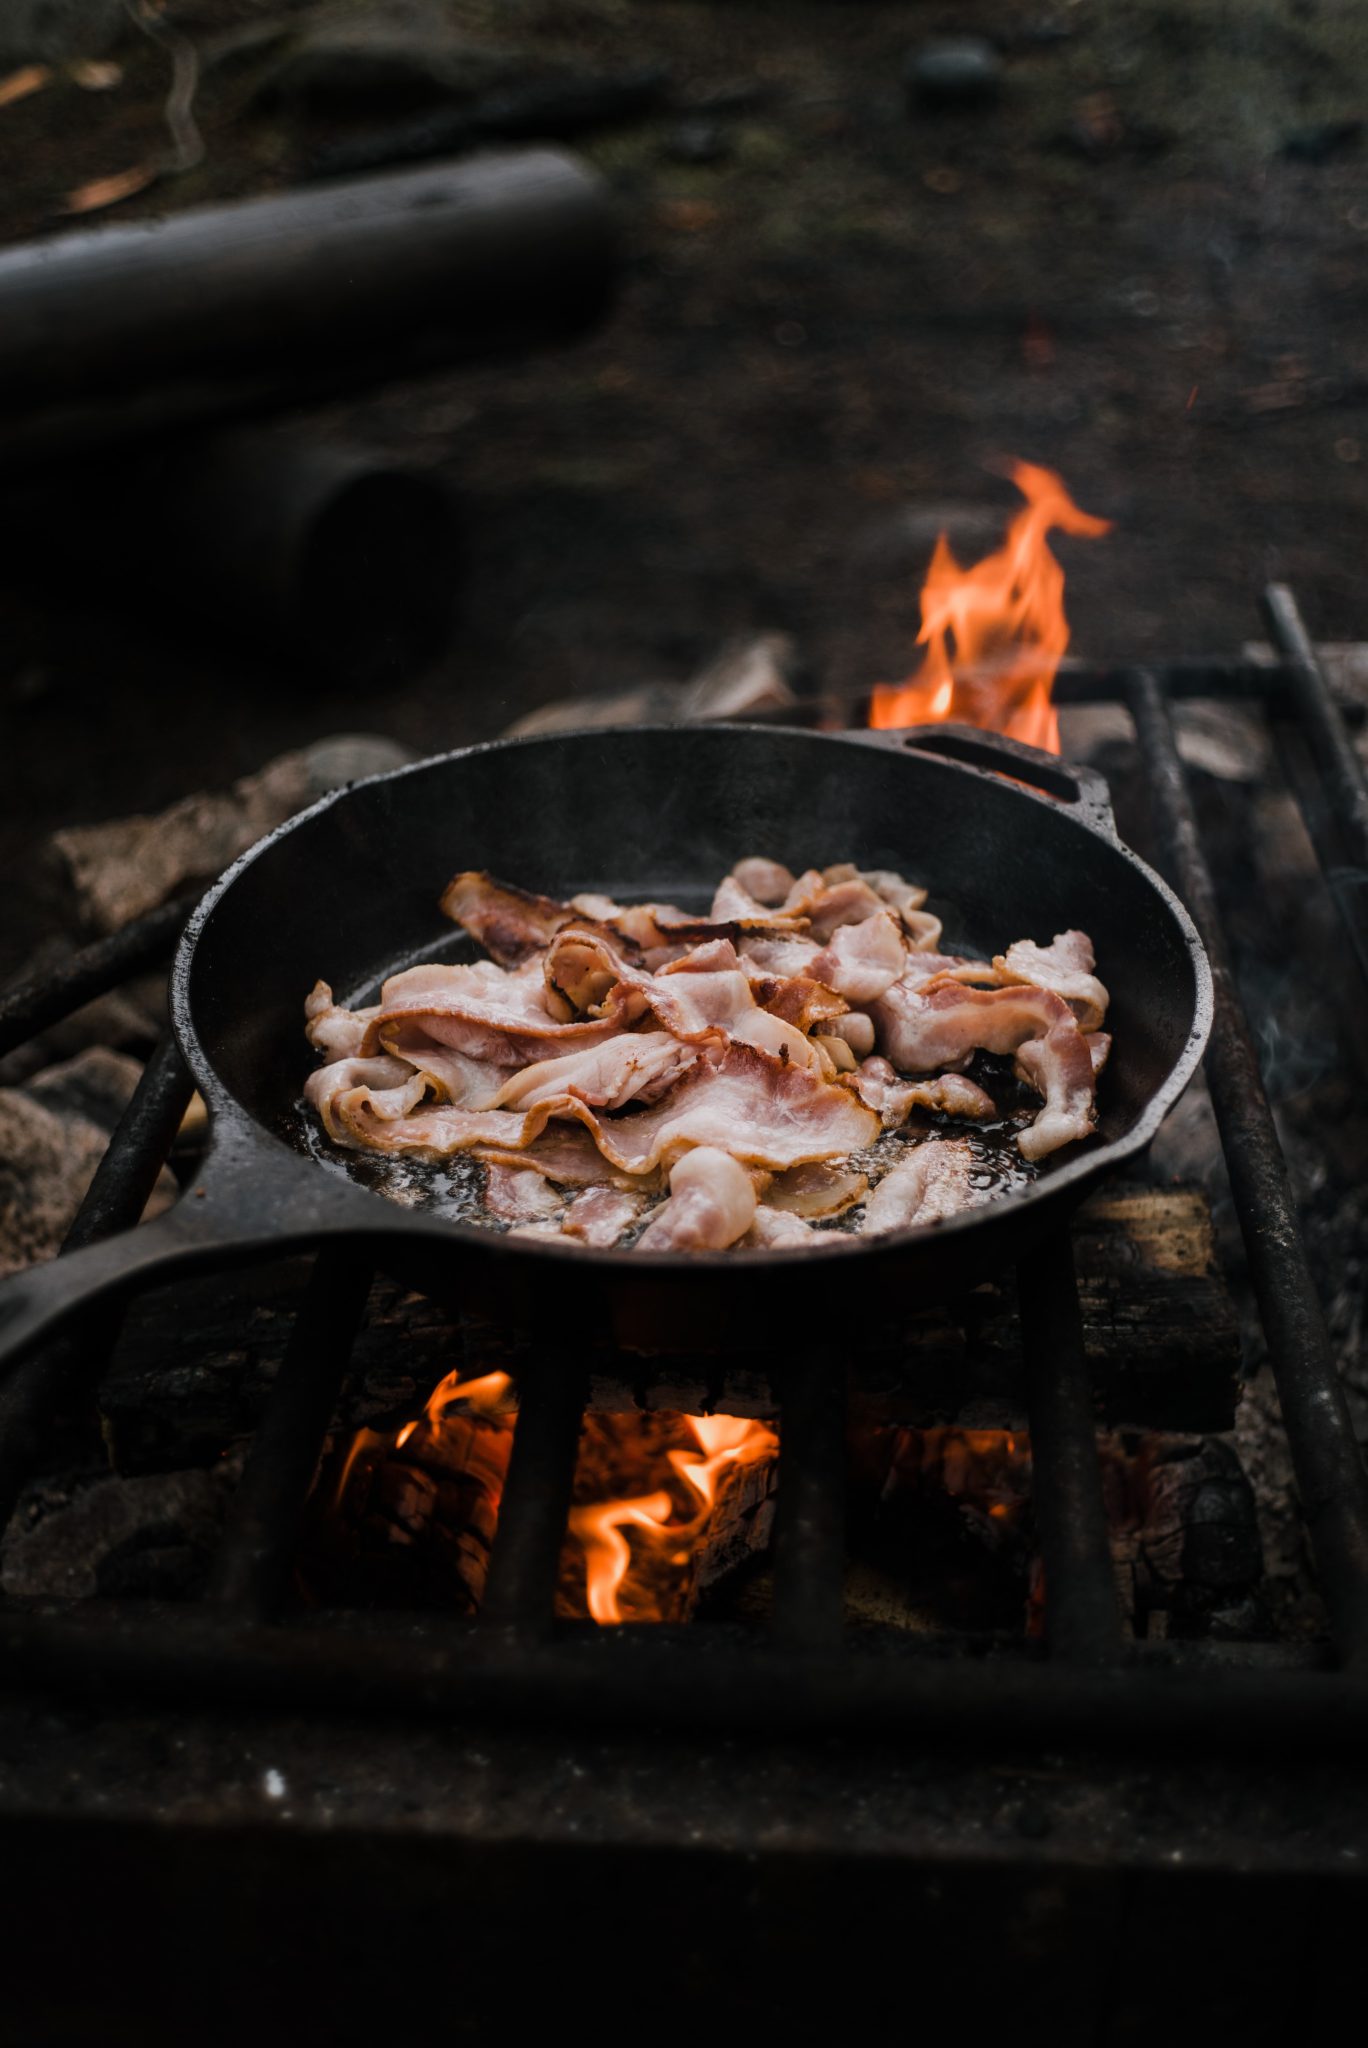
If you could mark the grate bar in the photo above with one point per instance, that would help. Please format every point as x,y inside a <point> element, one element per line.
<point>1314,700</point>
<point>31,1005</point>
<point>125,1177</point>
<point>1329,1469</point>
<point>649,1677</point>
<point>1081,1616</point>
<point>114,1201</point>
<point>250,1575</point>
<point>1341,837</point>
<point>530,1530</point>
<point>809,1531</point>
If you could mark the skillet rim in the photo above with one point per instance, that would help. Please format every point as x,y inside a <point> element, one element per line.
<point>228,1111</point>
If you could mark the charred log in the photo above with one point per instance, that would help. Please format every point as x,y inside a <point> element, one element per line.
<point>115,334</point>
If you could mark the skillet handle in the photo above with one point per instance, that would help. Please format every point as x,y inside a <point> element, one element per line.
<point>282,1208</point>
<point>1070,783</point>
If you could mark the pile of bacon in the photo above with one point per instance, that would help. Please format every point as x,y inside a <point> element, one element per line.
<point>607,1053</point>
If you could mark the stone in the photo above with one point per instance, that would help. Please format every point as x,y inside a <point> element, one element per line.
<point>379,67</point>
<point>748,676</point>
<point>124,867</point>
<point>53,1135</point>
<point>953,71</point>
<point>698,141</point>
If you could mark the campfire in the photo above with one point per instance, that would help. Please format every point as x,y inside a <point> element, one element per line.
<point>665,1506</point>
<point>996,633</point>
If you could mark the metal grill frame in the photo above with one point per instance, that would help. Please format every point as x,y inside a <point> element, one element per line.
<point>801,1675</point>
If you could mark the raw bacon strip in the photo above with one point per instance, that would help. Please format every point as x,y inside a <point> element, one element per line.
<point>932,1184</point>
<point>828,903</point>
<point>922,1030</point>
<point>940,1026</point>
<point>636,1066</point>
<point>895,1099</point>
<point>765,881</point>
<point>771,1034</point>
<point>816,1190</point>
<point>763,1112</point>
<point>487,1013</point>
<point>335,1032</point>
<point>600,1215</point>
<point>518,1196</point>
<point>861,961</point>
<point>857,1030</point>
<point>777,1230</point>
<point>452,1076</point>
<point>387,1089</point>
<point>1058,1066</point>
<point>711,1204</point>
<point>895,889</point>
<point>1066,966</point>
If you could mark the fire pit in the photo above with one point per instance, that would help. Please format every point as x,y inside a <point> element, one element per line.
<point>1011,1525</point>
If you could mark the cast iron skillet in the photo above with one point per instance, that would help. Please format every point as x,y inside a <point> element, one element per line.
<point>1011,842</point>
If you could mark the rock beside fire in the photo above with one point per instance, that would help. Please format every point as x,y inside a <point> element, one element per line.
<point>53,1134</point>
<point>119,870</point>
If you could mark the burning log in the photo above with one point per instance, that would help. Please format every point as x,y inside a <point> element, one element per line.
<point>658,1522</point>
<point>230,311</point>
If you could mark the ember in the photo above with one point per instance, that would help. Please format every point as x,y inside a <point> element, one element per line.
<point>995,634</point>
<point>651,1576</point>
<point>664,1505</point>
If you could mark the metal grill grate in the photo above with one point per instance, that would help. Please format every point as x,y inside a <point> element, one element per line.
<point>801,1674</point>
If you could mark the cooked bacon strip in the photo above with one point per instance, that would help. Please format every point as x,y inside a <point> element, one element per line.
<point>798,1000</point>
<point>697,997</point>
<point>567,1155</point>
<point>510,923</point>
<point>895,1099</point>
<point>600,1215</point>
<point>1066,966</point>
<point>1099,1046</point>
<point>927,1187</point>
<point>487,1013</point>
<point>518,1195</point>
<point>816,1190</point>
<point>711,1204</point>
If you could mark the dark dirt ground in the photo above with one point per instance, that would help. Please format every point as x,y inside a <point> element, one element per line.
<point>823,341</point>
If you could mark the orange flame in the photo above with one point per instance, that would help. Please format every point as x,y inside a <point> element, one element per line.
<point>995,634</point>
<point>726,1440</point>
